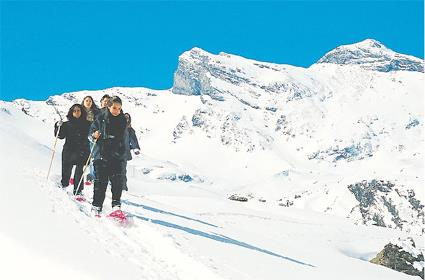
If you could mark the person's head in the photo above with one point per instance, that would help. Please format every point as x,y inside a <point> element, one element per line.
<point>114,105</point>
<point>88,102</point>
<point>76,112</point>
<point>104,101</point>
<point>128,118</point>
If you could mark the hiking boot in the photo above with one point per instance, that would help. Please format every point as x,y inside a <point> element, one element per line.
<point>96,211</point>
<point>116,203</point>
<point>89,177</point>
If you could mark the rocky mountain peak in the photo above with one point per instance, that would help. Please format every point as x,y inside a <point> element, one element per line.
<point>372,55</point>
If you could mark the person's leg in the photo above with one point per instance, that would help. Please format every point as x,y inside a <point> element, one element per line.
<point>100,183</point>
<point>91,173</point>
<point>66,171</point>
<point>117,173</point>
<point>78,173</point>
<point>124,177</point>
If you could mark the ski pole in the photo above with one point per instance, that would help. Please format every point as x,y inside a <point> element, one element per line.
<point>54,151</point>
<point>85,166</point>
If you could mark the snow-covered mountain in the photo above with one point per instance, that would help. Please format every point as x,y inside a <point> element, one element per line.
<point>373,55</point>
<point>342,119</point>
<point>340,141</point>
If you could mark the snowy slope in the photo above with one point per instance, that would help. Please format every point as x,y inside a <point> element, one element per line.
<point>321,153</point>
<point>181,230</point>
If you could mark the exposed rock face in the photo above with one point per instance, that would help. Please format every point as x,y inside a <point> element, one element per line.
<point>372,55</point>
<point>237,197</point>
<point>382,203</point>
<point>223,76</point>
<point>402,255</point>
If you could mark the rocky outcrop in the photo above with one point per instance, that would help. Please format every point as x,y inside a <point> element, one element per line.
<point>403,256</point>
<point>237,197</point>
<point>382,203</point>
<point>373,55</point>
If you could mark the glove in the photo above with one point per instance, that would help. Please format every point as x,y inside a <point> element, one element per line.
<point>59,123</point>
<point>136,152</point>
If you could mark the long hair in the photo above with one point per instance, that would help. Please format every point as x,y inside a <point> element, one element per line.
<point>71,110</point>
<point>93,105</point>
<point>129,118</point>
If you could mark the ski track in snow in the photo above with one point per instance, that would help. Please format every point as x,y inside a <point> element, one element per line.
<point>132,242</point>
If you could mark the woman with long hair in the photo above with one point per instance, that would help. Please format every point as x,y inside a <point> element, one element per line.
<point>91,112</point>
<point>90,108</point>
<point>76,148</point>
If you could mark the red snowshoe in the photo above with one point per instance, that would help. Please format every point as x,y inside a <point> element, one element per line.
<point>120,217</point>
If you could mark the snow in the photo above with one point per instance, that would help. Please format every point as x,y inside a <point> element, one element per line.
<point>195,153</point>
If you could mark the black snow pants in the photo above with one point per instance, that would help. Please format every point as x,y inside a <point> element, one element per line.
<point>105,171</point>
<point>67,166</point>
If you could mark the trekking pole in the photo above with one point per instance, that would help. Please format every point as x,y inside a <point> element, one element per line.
<point>54,145</point>
<point>85,166</point>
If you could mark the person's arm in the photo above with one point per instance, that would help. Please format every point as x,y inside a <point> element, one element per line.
<point>62,129</point>
<point>134,143</point>
<point>94,132</point>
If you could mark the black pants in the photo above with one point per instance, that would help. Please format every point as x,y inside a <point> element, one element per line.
<point>112,170</point>
<point>66,174</point>
<point>124,184</point>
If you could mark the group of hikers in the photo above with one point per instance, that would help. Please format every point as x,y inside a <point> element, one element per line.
<point>103,138</point>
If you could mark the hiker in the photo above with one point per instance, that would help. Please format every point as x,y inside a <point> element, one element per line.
<point>91,112</point>
<point>108,134</point>
<point>133,145</point>
<point>76,148</point>
<point>90,108</point>
<point>104,101</point>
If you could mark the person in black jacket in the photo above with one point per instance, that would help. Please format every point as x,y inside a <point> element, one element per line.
<point>76,148</point>
<point>133,145</point>
<point>108,132</point>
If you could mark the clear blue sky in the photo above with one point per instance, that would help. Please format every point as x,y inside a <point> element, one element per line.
<point>53,47</point>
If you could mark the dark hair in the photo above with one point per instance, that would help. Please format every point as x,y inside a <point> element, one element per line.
<point>114,99</point>
<point>105,96</point>
<point>71,110</point>
<point>93,106</point>
<point>129,117</point>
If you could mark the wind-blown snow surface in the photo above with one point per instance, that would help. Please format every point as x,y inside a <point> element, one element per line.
<point>330,151</point>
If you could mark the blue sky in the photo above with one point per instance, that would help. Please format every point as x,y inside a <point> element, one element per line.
<point>53,47</point>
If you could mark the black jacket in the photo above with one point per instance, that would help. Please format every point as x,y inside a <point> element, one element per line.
<point>76,148</point>
<point>113,141</point>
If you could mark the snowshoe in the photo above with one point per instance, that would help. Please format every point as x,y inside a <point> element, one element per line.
<point>119,216</point>
<point>80,198</point>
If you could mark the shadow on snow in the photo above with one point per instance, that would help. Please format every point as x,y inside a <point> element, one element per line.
<point>165,212</point>
<point>212,236</point>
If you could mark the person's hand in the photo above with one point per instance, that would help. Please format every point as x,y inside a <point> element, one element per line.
<point>59,123</point>
<point>137,152</point>
<point>96,134</point>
